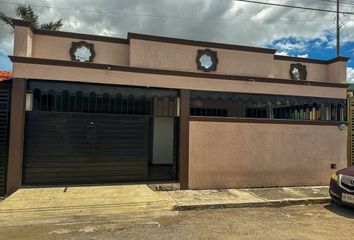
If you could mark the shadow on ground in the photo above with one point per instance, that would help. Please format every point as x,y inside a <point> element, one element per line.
<point>340,209</point>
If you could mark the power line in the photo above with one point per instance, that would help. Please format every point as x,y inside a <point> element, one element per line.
<point>114,12</point>
<point>321,2</point>
<point>338,31</point>
<point>298,7</point>
<point>333,1</point>
<point>168,17</point>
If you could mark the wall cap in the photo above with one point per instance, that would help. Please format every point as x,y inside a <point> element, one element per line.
<point>265,120</point>
<point>22,23</point>
<point>310,60</point>
<point>108,67</point>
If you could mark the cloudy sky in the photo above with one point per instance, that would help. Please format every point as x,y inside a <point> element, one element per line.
<point>293,32</point>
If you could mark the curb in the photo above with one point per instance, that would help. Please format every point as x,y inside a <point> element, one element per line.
<point>269,203</point>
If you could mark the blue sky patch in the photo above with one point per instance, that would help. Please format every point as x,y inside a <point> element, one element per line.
<point>317,48</point>
<point>5,63</point>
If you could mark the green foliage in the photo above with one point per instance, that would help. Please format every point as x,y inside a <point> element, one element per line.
<point>351,87</point>
<point>54,26</point>
<point>7,20</point>
<point>26,13</point>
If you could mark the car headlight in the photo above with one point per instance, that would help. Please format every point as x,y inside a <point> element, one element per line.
<point>335,177</point>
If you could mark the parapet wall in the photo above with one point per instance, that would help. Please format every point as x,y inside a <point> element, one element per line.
<point>164,53</point>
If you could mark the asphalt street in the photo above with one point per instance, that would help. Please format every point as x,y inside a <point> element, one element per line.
<point>301,222</point>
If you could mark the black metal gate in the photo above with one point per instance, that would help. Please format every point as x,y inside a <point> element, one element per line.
<point>65,148</point>
<point>86,133</point>
<point>5,96</point>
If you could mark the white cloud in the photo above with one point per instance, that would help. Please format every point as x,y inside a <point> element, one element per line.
<point>239,23</point>
<point>282,53</point>
<point>350,75</point>
<point>6,39</point>
<point>288,46</point>
<point>351,51</point>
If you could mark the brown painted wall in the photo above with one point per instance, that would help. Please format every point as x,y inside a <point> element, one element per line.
<point>17,123</point>
<point>183,57</point>
<point>38,71</point>
<point>337,72</point>
<point>23,41</point>
<point>334,72</point>
<point>52,47</point>
<point>234,154</point>
<point>316,72</point>
<point>183,145</point>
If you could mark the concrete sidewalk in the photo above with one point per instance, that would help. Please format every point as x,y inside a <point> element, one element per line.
<point>256,197</point>
<point>63,204</point>
<point>60,204</point>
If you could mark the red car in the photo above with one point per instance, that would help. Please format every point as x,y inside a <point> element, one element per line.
<point>341,187</point>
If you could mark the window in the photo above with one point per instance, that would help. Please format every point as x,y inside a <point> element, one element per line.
<point>105,99</point>
<point>242,105</point>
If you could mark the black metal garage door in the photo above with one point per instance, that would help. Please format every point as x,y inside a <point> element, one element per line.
<point>85,148</point>
<point>5,90</point>
<point>87,133</point>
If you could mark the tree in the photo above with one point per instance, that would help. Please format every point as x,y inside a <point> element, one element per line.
<point>25,12</point>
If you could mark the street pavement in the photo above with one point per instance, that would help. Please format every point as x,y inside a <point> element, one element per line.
<point>298,222</point>
<point>253,197</point>
<point>138,212</point>
<point>55,204</point>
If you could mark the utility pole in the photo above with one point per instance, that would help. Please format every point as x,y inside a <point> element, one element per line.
<point>338,46</point>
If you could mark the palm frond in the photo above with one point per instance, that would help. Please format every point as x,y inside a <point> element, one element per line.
<point>7,20</point>
<point>54,26</point>
<point>25,12</point>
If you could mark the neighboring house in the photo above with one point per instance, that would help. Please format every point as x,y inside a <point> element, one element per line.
<point>5,89</point>
<point>5,75</point>
<point>93,110</point>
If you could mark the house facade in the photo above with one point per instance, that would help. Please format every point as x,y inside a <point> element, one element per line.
<point>90,109</point>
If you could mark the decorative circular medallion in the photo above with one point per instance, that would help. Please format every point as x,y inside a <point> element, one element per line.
<point>82,51</point>
<point>298,71</point>
<point>207,60</point>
